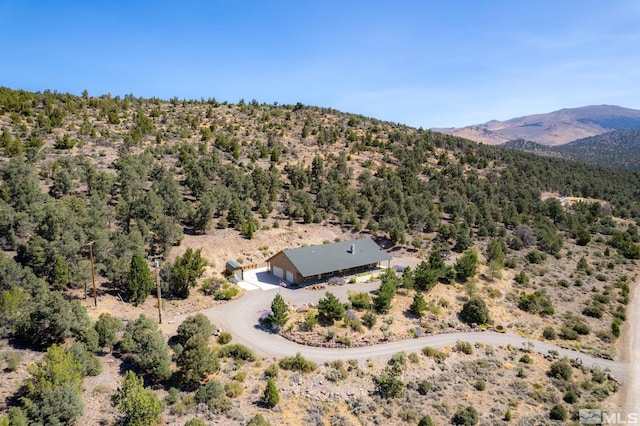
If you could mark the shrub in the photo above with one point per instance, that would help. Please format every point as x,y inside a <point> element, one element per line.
<point>581,328</point>
<point>568,333</point>
<point>408,414</point>
<point>424,387</point>
<point>475,311</point>
<point>172,396</point>
<point>344,340</point>
<point>310,320</point>
<point>13,360</point>
<point>434,353</point>
<point>388,385</point>
<point>560,370</point>
<point>219,405</point>
<point>425,421</point>
<point>233,389</point>
<point>195,422</point>
<point>558,412</point>
<point>258,420</point>
<point>237,352</point>
<point>464,347</point>
<point>227,292</point>
<point>526,359</point>
<point>224,338</point>
<point>479,385</point>
<point>507,416</point>
<point>537,302</point>
<point>369,319</point>
<point>570,397</point>
<point>338,372</point>
<point>297,363</point>
<point>535,256</point>
<point>467,416</point>
<point>271,371</point>
<point>593,310</point>
<point>615,327</point>
<point>211,390</point>
<point>521,278</point>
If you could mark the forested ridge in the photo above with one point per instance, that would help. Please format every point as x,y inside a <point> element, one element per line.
<point>619,149</point>
<point>131,176</point>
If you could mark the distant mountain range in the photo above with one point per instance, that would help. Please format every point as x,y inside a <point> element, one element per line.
<point>554,128</point>
<point>619,149</point>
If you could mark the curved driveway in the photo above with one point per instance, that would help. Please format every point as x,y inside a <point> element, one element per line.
<point>241,318</point>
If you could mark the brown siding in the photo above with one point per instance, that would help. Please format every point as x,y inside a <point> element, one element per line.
<point>281,261</point>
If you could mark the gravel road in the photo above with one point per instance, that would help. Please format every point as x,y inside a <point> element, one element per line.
<point>632,382</point>
<point>240,318</point>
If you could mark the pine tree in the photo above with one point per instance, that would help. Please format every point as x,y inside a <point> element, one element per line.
<point>139,405</point>
<point>279,312</point>
<point>139,284</point>
<point>466,266</point>
<point>418,306</point>
<point>59,277</point>
<point>271,396</point>
<point>330,309</point>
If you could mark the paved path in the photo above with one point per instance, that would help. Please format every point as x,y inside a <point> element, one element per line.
<point>241,318</point>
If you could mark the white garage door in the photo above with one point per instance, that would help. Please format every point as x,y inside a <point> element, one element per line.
<point>290,276</point>
<point>278,272</point>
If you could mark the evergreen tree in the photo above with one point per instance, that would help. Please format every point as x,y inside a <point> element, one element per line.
<point>271,395</point>
<point>139,283</point>
<point>139,405</point>
<point>107,326</point>
<point>475,311</point>
<point>184,272</point>
<point>279,313</point>
<point>466,265</point>
<point>59,277</point>
<point>425,277</point>
<point>386,292</point>
<point>195,361</point>
<point>52,394</point>
<point>143,344</point>
<point>330,309</point>
<point>418,306</point>
<point>194,325</point>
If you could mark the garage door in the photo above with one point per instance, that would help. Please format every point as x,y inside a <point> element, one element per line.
<point>278,272</point>
<point>290,276</point>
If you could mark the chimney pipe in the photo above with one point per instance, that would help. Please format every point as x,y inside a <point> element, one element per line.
<point>353,248</point>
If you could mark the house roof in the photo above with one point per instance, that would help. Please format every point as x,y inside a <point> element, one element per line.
<point>324,258</point>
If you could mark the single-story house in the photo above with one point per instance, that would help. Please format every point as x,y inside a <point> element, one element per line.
<point>314,263</point>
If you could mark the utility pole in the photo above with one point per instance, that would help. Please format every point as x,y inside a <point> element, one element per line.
<point>156,266</point>
<point>93,276</point>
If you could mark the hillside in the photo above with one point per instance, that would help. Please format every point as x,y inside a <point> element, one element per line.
<point>555,128</point>
<point>541,248</point>
<point>619,149</point>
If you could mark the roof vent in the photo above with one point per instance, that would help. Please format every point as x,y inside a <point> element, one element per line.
<point>353,248</point>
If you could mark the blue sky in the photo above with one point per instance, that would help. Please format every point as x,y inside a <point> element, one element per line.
<point>422,63</point>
